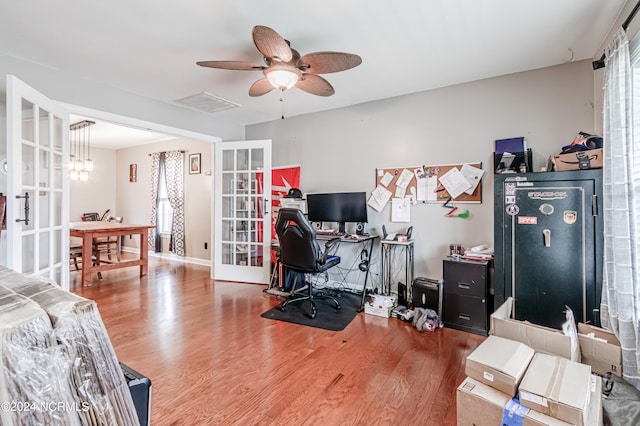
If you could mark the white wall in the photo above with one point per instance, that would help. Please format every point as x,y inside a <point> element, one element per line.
<point>77,90</point>
<point>99,192</point>
<point>339,150</point>
<point>82,92</point>
<point>109,187</point>
<point>133,199</point>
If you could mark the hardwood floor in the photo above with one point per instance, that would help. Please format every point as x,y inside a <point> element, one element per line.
<point>212,359</point>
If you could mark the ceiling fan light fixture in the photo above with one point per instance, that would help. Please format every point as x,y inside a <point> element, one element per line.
<point>282,77</point>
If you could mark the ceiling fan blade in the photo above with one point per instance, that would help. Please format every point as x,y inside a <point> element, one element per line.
<point>232,65</point>
<point>315,85</point>
<point>271,44</point>
<point>327,62</point>
<point>260,87</point>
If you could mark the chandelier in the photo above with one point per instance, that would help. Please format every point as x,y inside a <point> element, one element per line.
<point>80,162</point>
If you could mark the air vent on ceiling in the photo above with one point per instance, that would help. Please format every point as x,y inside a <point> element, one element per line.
<point>207,102</point>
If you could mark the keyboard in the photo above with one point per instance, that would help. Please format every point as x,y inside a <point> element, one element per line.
<point>328,232</point>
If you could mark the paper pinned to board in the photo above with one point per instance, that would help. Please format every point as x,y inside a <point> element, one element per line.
<point>473,175</point>
<point>404,179</point>
<point>379,198</point>
<point>386,179</point>
<point>454,182</point>
<point>400,210</point>
<point>421,184</point>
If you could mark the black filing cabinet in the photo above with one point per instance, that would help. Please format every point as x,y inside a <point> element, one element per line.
<point>466,295</point>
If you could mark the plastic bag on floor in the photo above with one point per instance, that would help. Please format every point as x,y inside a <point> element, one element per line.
<point>425,319</point>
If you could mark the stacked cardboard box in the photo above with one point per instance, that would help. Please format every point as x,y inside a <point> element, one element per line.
<point>599,348</point>
<point>557,387</point>
<point>524,374</point>
<point>499,363</point>
<point>482,405</point>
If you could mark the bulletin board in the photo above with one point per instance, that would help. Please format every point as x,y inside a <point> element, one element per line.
<point>437,171</point>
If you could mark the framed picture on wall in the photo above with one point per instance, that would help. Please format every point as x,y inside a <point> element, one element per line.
<point>194,163</point>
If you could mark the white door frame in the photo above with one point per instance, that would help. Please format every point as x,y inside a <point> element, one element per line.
<point>234,270</point>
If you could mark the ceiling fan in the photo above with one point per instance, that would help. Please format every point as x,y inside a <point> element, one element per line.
<point>285,67</point>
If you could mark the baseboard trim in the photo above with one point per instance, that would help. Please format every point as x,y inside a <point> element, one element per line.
<point>171,256</point>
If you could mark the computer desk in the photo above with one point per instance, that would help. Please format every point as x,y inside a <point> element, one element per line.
<point>355,239</point>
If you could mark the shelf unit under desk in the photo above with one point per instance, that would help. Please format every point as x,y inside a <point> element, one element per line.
<point>360,239</point>
<point>387,247</point>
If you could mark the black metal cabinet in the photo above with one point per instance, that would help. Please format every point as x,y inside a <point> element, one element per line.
<point>466,295</point>
<point>548,234</point>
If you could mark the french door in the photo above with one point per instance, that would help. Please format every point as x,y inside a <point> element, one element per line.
<point>242,211</point>
<point>37,184</point>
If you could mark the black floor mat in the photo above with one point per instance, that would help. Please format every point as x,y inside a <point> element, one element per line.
<point>327,317</point>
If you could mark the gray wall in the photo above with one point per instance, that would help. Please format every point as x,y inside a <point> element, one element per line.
<point>339,150</point>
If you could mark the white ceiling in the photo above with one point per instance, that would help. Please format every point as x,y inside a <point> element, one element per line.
<point>151,47</point>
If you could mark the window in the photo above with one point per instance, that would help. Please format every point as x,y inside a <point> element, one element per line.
<point>165,212</point>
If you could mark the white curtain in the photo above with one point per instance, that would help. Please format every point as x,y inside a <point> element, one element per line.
<point>619,308</point>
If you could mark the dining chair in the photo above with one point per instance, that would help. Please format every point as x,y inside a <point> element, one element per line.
<point>90,217</point>
<point>75,244</point>
<point>108,244</point>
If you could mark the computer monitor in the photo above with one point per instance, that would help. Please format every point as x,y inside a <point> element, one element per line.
<point>340,207</point>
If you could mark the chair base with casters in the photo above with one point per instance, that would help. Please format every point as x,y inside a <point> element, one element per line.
<point>307,293</point>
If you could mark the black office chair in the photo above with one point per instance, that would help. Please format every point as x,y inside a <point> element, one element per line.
<point>301,252</point>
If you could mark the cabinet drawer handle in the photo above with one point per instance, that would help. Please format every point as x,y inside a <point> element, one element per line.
<point>464,286</point>
<point>464,317</point>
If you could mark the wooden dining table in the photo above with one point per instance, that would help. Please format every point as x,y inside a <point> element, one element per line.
<point>88,231</point>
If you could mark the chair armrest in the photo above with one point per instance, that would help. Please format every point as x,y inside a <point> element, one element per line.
<point>329,247</point>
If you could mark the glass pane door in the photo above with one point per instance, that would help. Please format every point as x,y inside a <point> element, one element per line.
<point>37,199</point>
<point>243,177</point>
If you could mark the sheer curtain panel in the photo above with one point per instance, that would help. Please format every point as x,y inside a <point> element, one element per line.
<point>619,309</point>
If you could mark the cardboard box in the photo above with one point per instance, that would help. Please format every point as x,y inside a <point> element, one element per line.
<point>600,349</point>
<point>557,387</point>
<point>379,305</point>
<point>481,405</point>
<point>499,363</point>
<point>541,339</point>
<point>478,404</point>
<point>595,402</point>
<point>379,312</point>
<point>590,159</point>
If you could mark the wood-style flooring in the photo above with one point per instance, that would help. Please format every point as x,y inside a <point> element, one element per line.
<point>213,360</point>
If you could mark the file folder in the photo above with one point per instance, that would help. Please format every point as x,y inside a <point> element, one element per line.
<point>511,145</point>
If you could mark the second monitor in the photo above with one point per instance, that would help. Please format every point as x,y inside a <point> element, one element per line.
<point>340,207</point>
